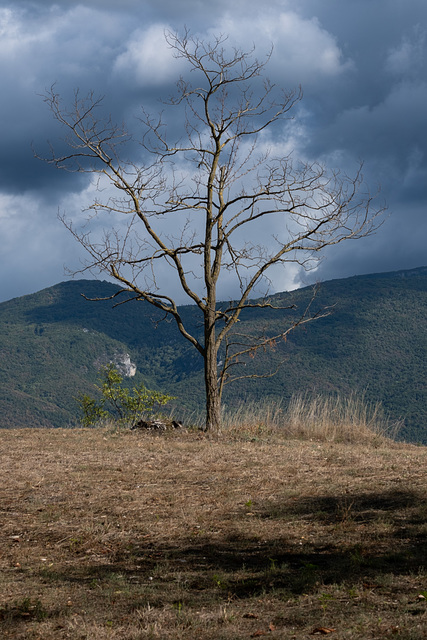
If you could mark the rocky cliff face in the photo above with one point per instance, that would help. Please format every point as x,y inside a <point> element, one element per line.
<point>122,363</point>
<point>124,366</point>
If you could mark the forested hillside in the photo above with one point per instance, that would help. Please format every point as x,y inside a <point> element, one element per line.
<point>374,342</point>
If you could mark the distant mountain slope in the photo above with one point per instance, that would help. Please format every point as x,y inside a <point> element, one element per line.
<point>374,342</point>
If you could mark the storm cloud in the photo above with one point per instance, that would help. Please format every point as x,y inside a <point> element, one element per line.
<point>362,66</point>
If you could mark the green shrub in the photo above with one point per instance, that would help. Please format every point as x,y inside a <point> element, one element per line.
<point>118,402</point>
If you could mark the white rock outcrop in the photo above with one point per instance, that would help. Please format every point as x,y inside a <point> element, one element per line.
<point>121,362</point>
<point>124,366</point>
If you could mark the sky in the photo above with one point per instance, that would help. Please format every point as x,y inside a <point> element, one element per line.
<point>362,66</point>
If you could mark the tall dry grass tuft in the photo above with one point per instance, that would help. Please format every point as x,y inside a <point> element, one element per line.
<point>338,419</point>
<point>249,419</point>
<point>349,419</point>
<point>253,418</point>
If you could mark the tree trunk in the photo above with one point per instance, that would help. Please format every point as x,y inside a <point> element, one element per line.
<point>213,401</point>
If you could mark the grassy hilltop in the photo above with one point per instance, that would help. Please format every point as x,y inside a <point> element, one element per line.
<point>127,536</point>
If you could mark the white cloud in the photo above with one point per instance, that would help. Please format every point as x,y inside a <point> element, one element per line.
<point>56,43</point>
<point>303,49</point>
<point>148,60</point>
<point>306,47</point>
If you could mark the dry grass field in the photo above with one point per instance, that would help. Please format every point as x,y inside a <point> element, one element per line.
<point>131,535</point>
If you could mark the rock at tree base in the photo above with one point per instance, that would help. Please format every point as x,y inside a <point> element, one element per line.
<point>157,425</point>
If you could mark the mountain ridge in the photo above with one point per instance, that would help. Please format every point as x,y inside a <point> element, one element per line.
<point>374,343</point>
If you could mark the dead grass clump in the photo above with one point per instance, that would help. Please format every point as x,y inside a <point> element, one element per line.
<point>348,419</point>
<point>253,420</point>
<point>338,419</point>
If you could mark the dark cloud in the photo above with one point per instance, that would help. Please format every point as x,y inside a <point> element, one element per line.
<point>362,66</point>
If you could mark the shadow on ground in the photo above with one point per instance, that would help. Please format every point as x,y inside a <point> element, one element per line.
<point>355,539</point>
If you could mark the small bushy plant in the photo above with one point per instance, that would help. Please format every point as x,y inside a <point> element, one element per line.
<point>117,402</point>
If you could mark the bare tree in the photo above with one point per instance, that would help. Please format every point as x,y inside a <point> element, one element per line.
<point>193,205</point>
